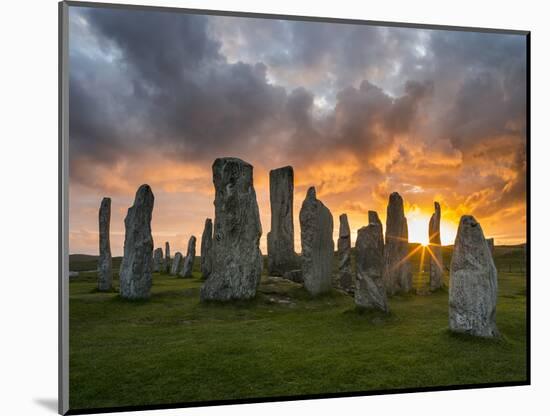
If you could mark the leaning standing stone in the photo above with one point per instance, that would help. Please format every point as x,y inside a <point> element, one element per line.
<point>370,292</point>
<point>473,282</point>
<point>137,263</point>
<point>280,240</point>
<point>189,260</point>
<point>176,263</point>
<point>158,263</point>
<point>167,262</point>
<point>236,257</point>
<point>344,255</point>
<point>206,249</point>
<point>434,250</point>
<point>105,262</point>
<point>317,244</point>
<point>397,267</point>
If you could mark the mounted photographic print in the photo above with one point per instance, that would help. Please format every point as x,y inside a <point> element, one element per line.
<point>263,208</point>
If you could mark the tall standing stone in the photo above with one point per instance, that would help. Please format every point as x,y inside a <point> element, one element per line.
<point>137,263</point>
<point>345,274</point>
<point>167,260</point>
<point>187,270</point>
<point>176,264</point>
<point>158,262</point>
<point>397,267</point>
<point>236,257</point>
<point>473,282</point>
<point>434,250</point>
<point>370,292</point>
<point>206,249</point>
<point>280,240</point>
<point>317,244</point>
<point>105,262</point>
<point>491,244</point>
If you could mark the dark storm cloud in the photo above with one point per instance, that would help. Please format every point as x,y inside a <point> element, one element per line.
<point>193,88</point>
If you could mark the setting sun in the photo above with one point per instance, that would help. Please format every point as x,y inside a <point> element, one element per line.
<point>418,223</point>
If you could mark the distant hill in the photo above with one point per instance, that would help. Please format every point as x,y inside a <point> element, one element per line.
<point>507,259</point>
<point>87,262</point>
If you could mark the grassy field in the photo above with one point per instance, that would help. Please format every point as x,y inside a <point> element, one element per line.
<point>174,349</point>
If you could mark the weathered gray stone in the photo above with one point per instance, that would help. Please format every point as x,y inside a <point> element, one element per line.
<point>473,282</point>
<point>317,244</point>
<point>491,244</point>
<point>434,250</point>
<point>176,264</point>
<point>137,263</point>
<point>206,249</point>
<point>294,275</point>
<point>345,274</point>
<point>236,257</point>
<point>370,292</point>
<point>167,260</point>
<point>158,261</point>
<point>397,268</point>
<point>105,261</point>
<point>187,270</point>
<point>280,240</point>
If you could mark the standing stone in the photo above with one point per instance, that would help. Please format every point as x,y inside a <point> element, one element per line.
<point>137,263</point>
<point>434,250</point>
<point>206,249</point>
<point>370,292</point>
<point>176,263</point>
<point>158,263</point>
<point>167,262</point>
<point>189,260</point>
<point>397,267</point>
<point>473,282</point>
<point>236,257</point>
<point>491,244</point>
<point>105,262</point>
<point>345,274</point>
<point>317,244</point>
<point>280,240</point>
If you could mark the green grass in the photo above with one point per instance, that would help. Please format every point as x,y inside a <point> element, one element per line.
<point>174,349</point>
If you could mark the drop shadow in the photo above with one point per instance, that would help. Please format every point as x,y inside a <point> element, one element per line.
<point>48,404</point>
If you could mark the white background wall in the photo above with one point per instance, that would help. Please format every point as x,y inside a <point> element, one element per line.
<point>28,204</point>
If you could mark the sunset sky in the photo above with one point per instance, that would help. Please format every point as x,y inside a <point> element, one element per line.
<point>358,111</point>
